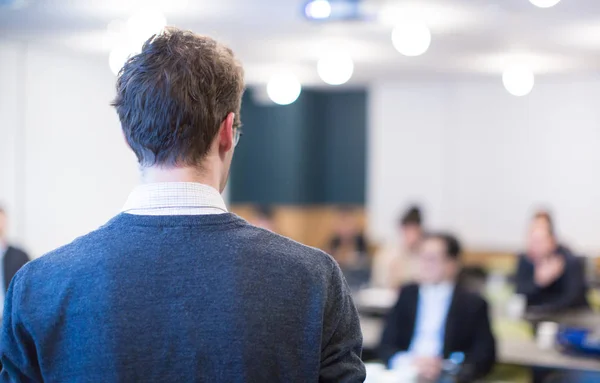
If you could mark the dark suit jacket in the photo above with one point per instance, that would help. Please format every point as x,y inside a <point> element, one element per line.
<point>467,330</point>
<point>568,291</point>
<point>14,259</point>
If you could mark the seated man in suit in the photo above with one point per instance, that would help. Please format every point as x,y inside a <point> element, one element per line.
<point>550,277</point>
<point>11,258</point>
<point>436,318</point>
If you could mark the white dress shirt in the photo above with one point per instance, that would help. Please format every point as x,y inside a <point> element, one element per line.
<point>430,324</point>
<point>174,198</point>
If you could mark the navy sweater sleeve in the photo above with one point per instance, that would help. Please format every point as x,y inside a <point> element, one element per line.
<point>342,339</point>
<point>17,349</point>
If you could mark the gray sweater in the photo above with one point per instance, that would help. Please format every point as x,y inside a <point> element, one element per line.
<point>181,299</point>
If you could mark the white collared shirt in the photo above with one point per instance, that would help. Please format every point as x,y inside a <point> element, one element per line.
<point>174,198</point>
<point>430,324</point>
<point>432,310</point>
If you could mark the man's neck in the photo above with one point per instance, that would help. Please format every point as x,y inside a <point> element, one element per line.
<point>179,174</point>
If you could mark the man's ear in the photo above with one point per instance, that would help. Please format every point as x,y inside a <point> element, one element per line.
<point>226,133</point>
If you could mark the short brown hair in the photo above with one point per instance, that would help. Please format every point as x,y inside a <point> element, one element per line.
<point>174,95</point>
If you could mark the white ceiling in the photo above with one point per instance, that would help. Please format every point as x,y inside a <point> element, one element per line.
<point>470,37</point>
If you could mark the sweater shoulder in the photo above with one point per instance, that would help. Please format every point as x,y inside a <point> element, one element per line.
<point>71,256</point>
<point>262,245</point>
<point>270,244</point>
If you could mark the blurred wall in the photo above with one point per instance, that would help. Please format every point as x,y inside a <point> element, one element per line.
<point>10,120</point>
<point>310,152</point>
<point>480,160</point>
<point>65,166</point>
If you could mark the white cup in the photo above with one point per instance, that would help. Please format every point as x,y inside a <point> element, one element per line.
<point>546,335</point>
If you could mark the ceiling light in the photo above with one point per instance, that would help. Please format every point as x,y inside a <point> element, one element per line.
<point>143,25</point>
<point>544,3</point>
<point>318,9</point>
<point>518,80</point>
<point>335,68</point>
<point>117,58</point>
<point>284,88</point>
<point>411,38</point>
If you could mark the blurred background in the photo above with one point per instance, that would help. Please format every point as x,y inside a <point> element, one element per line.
<point>478,113</point>
<point>438,129</point>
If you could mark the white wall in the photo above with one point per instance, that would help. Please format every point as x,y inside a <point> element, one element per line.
<point>10,75</point>
<point>480,161</point>
<point>65,168</point>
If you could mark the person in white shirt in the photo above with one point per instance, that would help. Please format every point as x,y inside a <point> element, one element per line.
<point>436,318</point>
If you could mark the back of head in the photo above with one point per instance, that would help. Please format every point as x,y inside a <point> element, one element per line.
<point>174,95</point>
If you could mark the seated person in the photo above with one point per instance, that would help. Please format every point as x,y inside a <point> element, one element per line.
<point>436,318</point>
<point>543,219</point>
<point>549,275</point>
<point>395,264</point>
<point>348,245</point>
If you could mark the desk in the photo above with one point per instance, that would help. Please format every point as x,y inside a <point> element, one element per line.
<point>375,301</point>
<point>526,353</point>
<point>576,318</point>
<point>513,351</point>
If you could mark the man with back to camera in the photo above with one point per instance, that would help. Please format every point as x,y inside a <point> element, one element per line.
<point>175,288</point>
<point>436,318</point>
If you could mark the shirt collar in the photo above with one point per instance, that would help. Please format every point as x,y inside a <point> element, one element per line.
<point>175,198</point>
<point>444,288</point>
